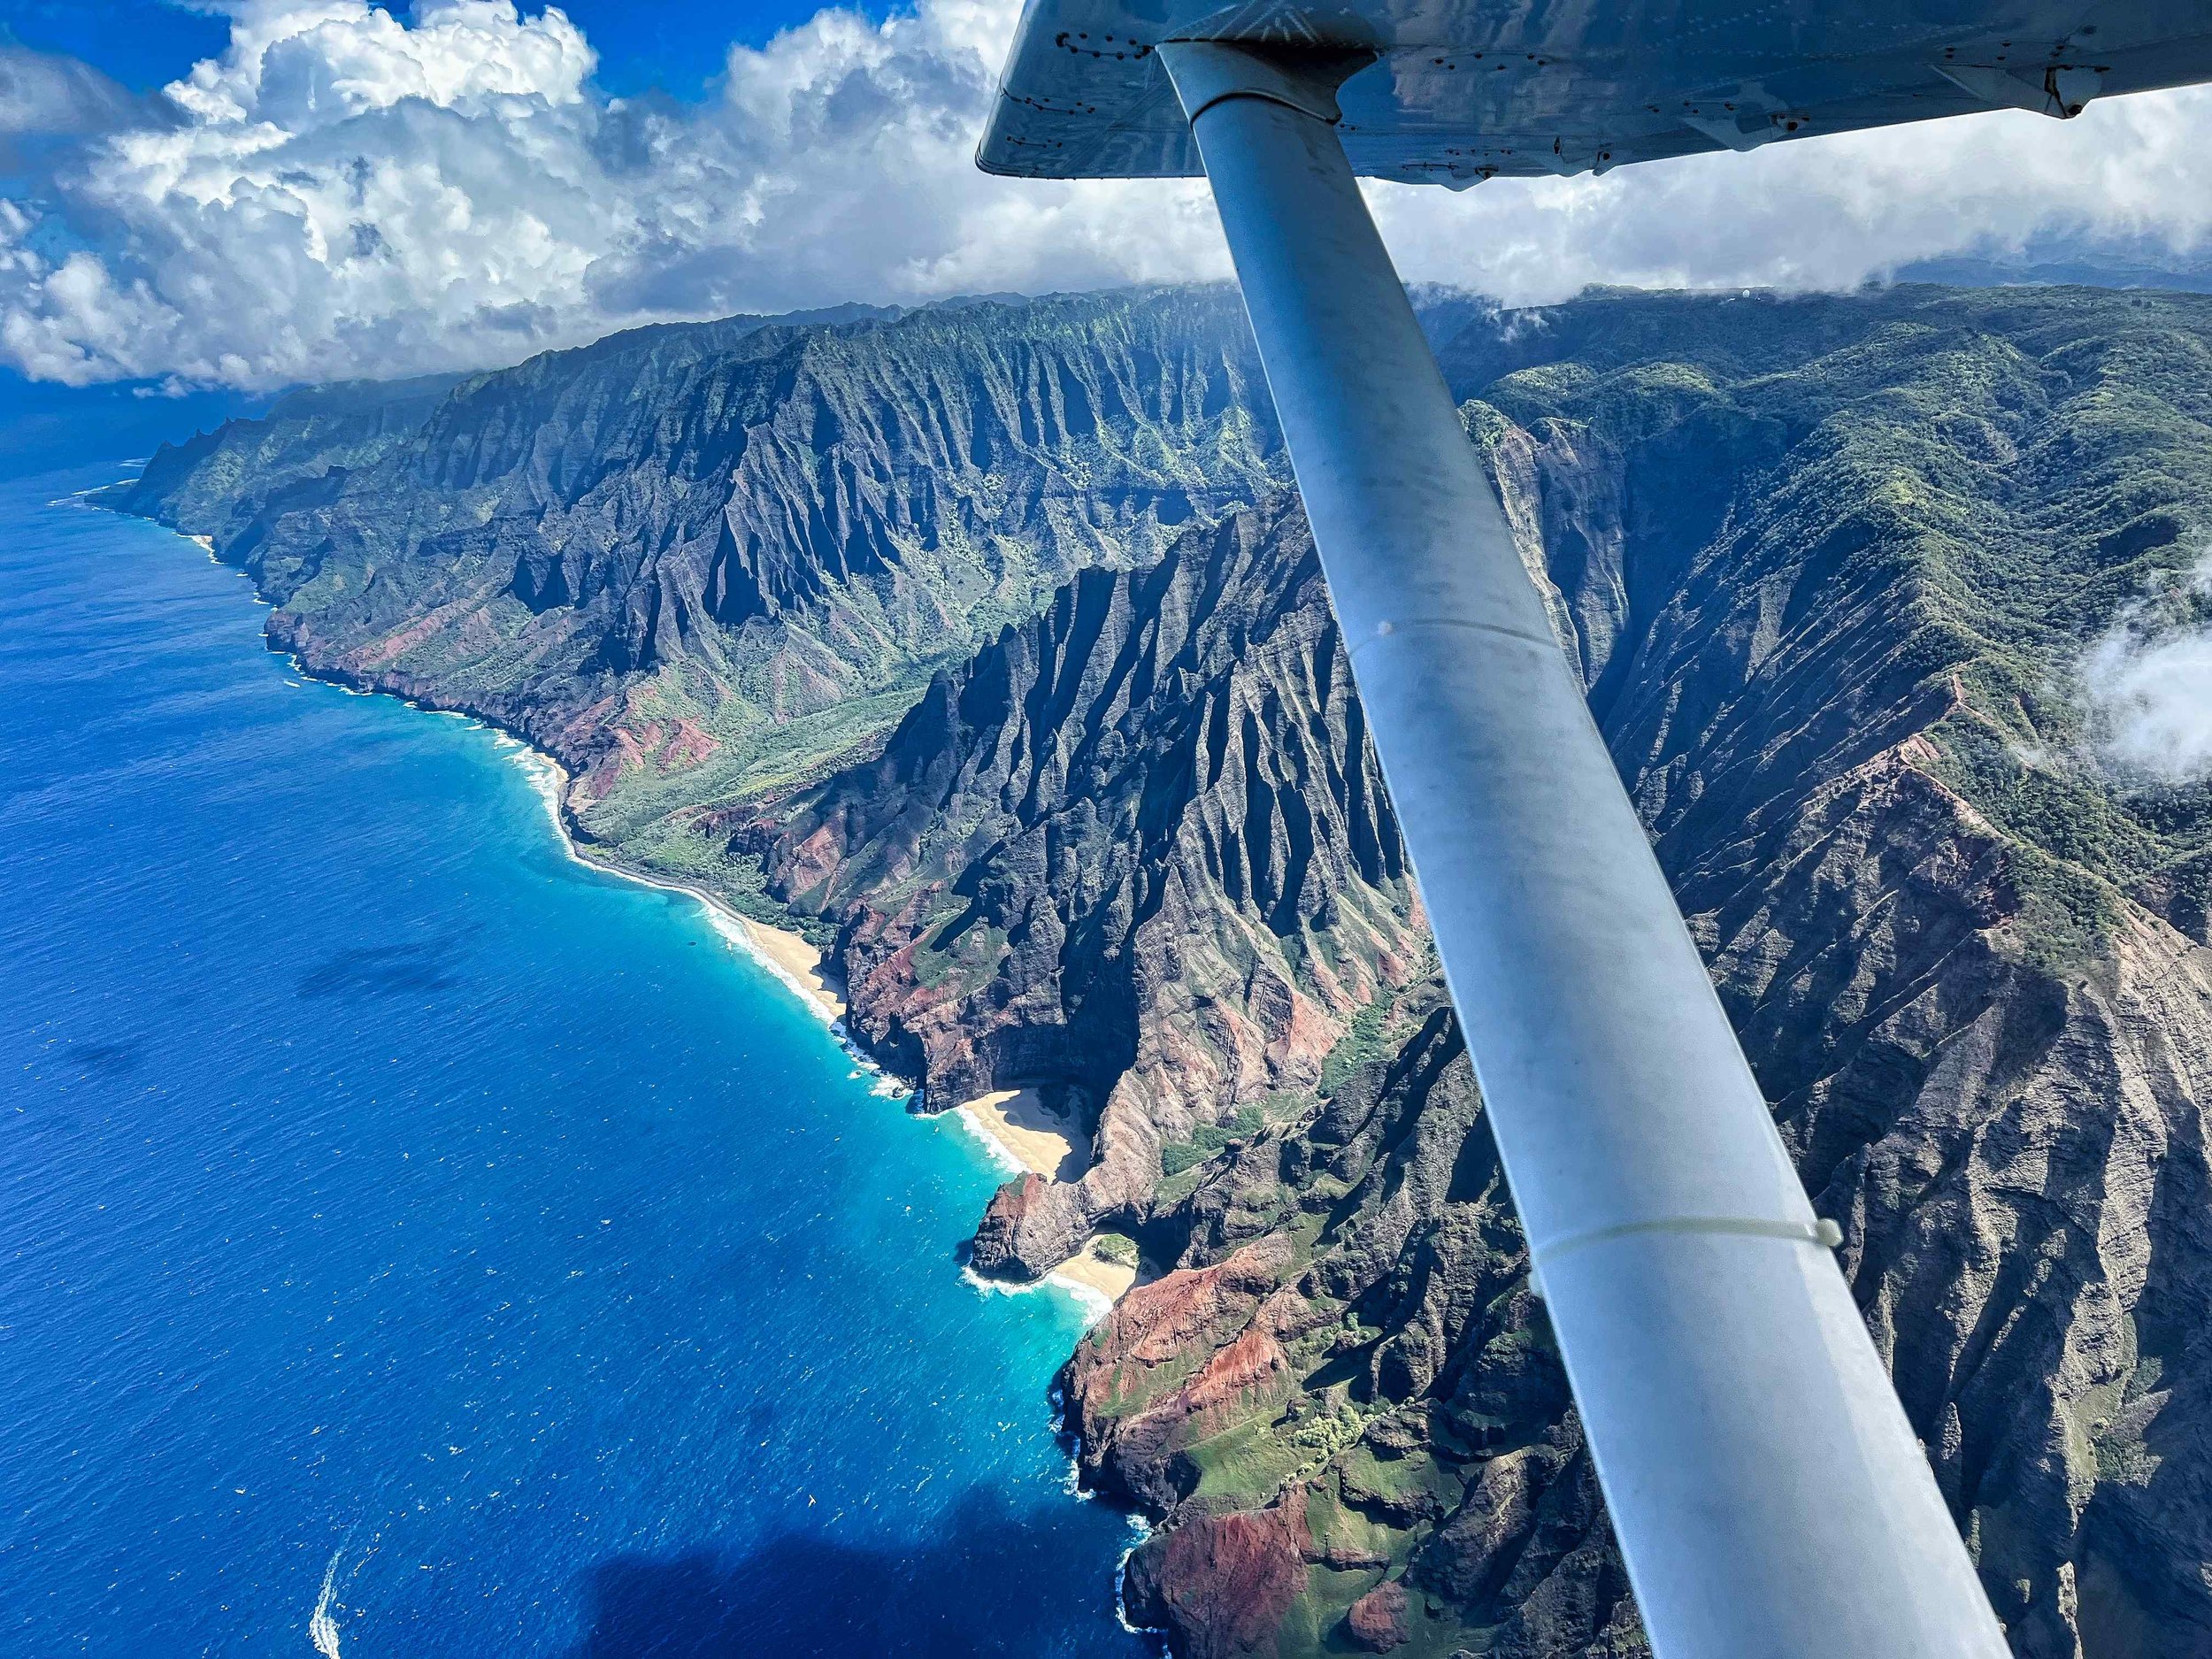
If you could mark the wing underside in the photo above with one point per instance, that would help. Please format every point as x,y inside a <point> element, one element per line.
<point>1460,91</point>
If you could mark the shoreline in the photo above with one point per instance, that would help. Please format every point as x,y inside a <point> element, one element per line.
<point>1093,1284</point>
<point>1094,1292</point>
<point>1024,1136</point>
<point>788,957</point>
<point>1096,1275</point>
<point>1029,1136</point>
<point>992,1120</point>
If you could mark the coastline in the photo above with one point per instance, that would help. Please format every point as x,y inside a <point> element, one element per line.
<point>1025,1136</point>
<point>1015,1128</point>
<point>801,967</point>
<point>1093,1284</point>
<point>1016,1123</point>
<point>1086,1273</point>
<point>550,1052</point>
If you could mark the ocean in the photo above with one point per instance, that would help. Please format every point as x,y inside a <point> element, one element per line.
<point>415,1243</point>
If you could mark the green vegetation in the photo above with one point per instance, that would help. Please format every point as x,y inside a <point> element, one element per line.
<point>636,553</point>
<point>1880,538</point>
<point>1208,1138</point>
<point>1929,505</point>
<point>1832,567</point>
<point>965,958</point>
<point>1245,1466</point>
<point>1362,1043</point>
<point>1118,1248</point>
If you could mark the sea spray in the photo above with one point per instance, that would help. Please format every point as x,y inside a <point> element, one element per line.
<point>1095,1304</point>
<point>994,1149</point>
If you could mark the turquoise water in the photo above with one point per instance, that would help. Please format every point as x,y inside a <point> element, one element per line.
<point>402,1218</point>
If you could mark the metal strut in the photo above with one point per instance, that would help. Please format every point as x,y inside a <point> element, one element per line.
<point>1768,1493</point>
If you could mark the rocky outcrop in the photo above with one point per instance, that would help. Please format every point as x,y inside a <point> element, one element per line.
<point>1376,1622</point>
<point>1026,1231</point>
<point>1224,1584</point>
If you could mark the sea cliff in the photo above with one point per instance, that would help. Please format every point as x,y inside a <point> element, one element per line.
<point>986,646</point>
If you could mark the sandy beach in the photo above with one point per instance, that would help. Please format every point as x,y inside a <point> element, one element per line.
<point>1031,1135</point>
<point>1016,1121</point>
<point>798,960</point>
<point>1108,1279</point>
<point>787,955</point>
<point>1034,1136</point>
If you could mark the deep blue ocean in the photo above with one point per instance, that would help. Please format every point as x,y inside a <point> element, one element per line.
<point>400,1219</point>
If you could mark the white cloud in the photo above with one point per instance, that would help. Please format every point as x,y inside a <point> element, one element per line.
<point>2148,681</point>
<point>345,192</point>
<point>1832,212</point>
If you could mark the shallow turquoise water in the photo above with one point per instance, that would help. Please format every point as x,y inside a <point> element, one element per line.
<point>394,1206</point>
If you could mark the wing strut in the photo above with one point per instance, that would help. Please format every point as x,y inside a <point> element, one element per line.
<point>1767,1489</point>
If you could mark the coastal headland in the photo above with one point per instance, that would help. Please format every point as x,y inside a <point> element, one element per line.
<point>1030,1134</point>
<point>989,642</point>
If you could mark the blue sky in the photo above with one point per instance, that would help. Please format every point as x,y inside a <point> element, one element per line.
<point>140,44</point>
<point>238,195</point>
<point>143,43</point>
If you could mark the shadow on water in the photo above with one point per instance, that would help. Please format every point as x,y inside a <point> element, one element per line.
<point>383,971</point>
<point>809,1596</point>
<point>105,1059</point>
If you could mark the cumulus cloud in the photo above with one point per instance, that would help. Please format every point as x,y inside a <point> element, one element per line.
<point>347,191</point>
<point>2148,680</point>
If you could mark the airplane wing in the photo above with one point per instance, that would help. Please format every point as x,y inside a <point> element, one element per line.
<point>1457,91</point>
<point>1768,1494</point>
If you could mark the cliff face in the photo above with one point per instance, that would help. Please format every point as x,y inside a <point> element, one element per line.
<point>1827,566</point>
<point>649,553</point>
<point>1825,582</point>
<point>202,485</point>
<point>1960,957</point>
<point>1139,846</point>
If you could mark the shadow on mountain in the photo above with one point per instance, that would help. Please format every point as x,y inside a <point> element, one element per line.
<point>973,1589</point>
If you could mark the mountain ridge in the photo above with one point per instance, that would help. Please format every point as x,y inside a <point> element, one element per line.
<point>1827,565</point>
